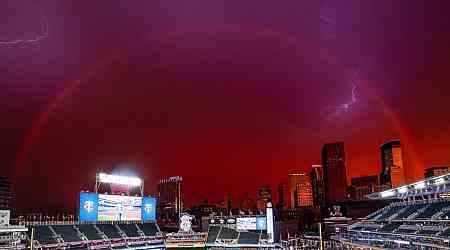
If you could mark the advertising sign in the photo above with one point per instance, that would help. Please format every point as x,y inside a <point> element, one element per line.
<point>148,209</point>
<point>246,223</point>
<point>88,206</point>
<point>261,223</point>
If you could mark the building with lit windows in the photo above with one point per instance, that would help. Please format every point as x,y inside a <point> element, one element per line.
<point>5,194</point>
<point>170,198</point>
<point>264,196</point>
<point>392,170</point>
<point>437,171</point>
<point>293,180</point>
<point>304,192</point>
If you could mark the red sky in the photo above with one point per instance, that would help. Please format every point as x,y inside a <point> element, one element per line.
<point>229,95</point>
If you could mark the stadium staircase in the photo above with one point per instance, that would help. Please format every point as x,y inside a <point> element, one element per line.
<point>68,233</point>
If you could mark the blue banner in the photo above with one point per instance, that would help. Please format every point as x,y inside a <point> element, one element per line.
<point>148,209</point>
<point>88,206</point>
<point>261,223</point>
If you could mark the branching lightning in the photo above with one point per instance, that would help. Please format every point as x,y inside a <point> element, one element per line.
<point>43,35</point>
<point>332,111</point>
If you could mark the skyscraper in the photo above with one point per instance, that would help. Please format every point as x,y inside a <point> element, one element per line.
<point>437,171</point>
<point>392,171</point>
<point>362,186</point>
<point>5,193</point>
<point>170,198</point>
<point>264,196</point>
<point>293,179</point>
<point>334,172</point>
<point>304,192</point>
<point>318,189</point>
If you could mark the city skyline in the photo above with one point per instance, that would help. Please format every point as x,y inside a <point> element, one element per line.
<point>231,96</point>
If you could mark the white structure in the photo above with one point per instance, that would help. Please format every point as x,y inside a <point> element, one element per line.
<point>4,217</point>
<point>269,219</point>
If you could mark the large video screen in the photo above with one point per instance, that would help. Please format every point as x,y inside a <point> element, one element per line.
<point>99,207</point>
<point>251,223</point>
<point>119,208</point>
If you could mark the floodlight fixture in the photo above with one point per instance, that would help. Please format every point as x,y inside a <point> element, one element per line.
<point>403,189</point>
<point>420,185</point>
<point>117,179</point>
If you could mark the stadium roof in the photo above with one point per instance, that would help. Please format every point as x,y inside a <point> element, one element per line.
<point>428,186</point>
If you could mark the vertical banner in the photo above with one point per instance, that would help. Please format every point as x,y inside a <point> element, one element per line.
<point>88,206</point>
<point>148,212</point>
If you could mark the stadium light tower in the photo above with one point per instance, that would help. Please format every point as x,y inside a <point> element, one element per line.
<point>119,180</point>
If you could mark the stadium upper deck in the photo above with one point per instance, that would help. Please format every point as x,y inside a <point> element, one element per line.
<point>420,220</point>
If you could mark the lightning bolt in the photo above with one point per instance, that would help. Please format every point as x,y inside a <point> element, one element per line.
<point>333,111</point>
<point>43,35</point>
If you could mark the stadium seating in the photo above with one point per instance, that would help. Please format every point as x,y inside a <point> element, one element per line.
<point>90,231</point>
<point>390,227</point>
<point>67,232</point>
<point>409,210</point>
<point>130,230</point>
<point>248,238</point>
<point>388,213</point>
<point>149,229</point>
<point>44,235</point>
<point>110,231</point>
<point>228,234</point>
<point>213,232</point>
<point>432,209</point>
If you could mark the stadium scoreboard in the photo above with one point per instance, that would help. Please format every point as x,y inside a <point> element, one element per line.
<point>101,207</point>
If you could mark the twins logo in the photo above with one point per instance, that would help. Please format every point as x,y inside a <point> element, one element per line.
<point>148,208</point>
<point>186,223</point>
<point>88,206</point>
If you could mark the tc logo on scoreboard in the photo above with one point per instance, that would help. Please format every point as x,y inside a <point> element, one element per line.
<point>88,206</point>
<point>148,208</point>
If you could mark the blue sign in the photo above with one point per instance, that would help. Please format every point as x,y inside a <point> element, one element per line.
<point>148,209</point>
<point>261,223</point>
<point>88,206</point>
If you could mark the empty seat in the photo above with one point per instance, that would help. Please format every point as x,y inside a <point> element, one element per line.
<point>109,230</point>
<point>44,235</point>
<point>130,230</point>
<point>90,232</point>
<point>227,234</point>
<point>67,232</point>
<point>248,238</point>
<point>390,227</point>
<point>213,231</point>
<point>149,229</point>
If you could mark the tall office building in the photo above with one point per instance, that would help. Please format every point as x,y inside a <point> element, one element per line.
<point>293,179</point>
<point>304,192</point>
<point>264,196</point>
<point>392,171</point>
<point>5,193</point>
<point>334,172</point>
<point>362,186</point>
<point>318,189</point>
<point>170,198</point>
<point>437,171</point>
